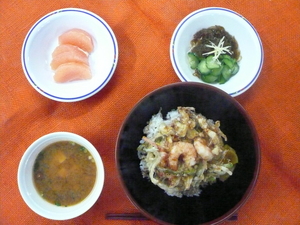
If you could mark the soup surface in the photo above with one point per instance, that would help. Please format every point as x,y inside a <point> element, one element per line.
<point>64,173</point>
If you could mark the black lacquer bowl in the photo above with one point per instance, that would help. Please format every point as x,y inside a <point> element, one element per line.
<point>217,202</point>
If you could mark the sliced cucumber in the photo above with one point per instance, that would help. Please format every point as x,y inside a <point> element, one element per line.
<point>235,69</point>
<point>211,63</point>
<point>213,71</point>
<point>226,72</point>
<point>230,63</point>
<point>222,80</point>
<point>217,71</point>
<point>203,68</point>
<point>209,78</point>
<point>193,60</point>
<point>226,57</point>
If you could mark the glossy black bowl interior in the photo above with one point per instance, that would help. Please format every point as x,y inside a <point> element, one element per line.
<point>217,202</point>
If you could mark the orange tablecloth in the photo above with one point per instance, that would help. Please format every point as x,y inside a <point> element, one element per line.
<point>144,29</point>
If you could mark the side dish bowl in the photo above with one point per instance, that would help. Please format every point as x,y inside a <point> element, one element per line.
<point>250,46</point>
<point>42,39</point>
<point>217,202</point>
<point>26,182</point>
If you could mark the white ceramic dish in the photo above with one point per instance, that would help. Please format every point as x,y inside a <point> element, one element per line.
<point>42,39</point>
<point>31,196</point>
<point>250,46</point>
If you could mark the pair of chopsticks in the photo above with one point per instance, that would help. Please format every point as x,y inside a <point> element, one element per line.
<point>125,216</point>
<point>139,216</point>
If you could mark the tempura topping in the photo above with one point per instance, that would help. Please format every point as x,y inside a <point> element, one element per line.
<point>185,152</point>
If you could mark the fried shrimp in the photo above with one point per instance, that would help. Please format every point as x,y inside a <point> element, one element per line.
<point>184,149</point>
<point>202,149</point>
<point>184,152</point>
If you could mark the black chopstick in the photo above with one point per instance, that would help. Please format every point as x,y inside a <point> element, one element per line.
<point>125,216</point>
<point>139,216</point>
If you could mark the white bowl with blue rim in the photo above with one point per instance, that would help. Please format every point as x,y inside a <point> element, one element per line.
<point>250,46</point>
<point>30,194</point>
<point>42,39</point>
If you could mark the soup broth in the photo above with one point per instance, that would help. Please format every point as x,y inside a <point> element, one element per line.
<point>64,173</point>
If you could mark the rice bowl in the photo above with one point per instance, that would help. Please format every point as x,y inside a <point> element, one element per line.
<point>217,202</point>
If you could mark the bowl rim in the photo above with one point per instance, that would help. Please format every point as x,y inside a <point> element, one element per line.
<point>27,192</point>
<point>257,151</point>
<point>183,78</point>
<point>90,92</point>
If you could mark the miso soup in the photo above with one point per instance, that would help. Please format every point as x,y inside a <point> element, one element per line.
<point>64,173</point>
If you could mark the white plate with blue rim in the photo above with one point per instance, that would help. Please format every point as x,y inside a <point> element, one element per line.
<point>42,39</point>
<point>248,39</point>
